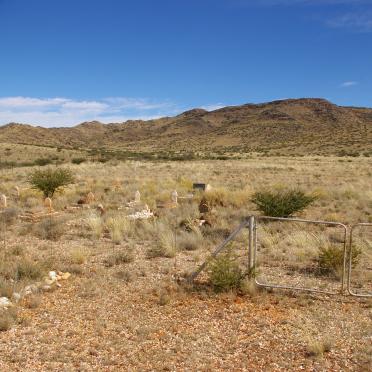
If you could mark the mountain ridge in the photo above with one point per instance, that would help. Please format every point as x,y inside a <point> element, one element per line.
<point>291,126</point>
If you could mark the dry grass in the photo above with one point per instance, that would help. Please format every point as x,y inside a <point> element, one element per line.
<point>121,310</point>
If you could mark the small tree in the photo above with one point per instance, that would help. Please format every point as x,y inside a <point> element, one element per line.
<point>282,203</point>
<point>225,273</point>
<point>50,180</point>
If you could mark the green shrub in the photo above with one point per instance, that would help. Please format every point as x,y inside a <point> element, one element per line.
<point>77,160</point>
<point>42,162</point>
<point>282,203</point>
<point>50,180</point>
<point>225,273</point>
<point>331,259</point>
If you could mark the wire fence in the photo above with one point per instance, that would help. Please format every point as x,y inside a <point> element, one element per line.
<point>360,260</point>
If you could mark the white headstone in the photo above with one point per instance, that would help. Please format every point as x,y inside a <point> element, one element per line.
<point>208,188</point>
<point>48,204</point>
<point>3,203</point>
<point>174,196</point>
<point>17,193</point>
<point>137,196</point>
<point>90,197</point>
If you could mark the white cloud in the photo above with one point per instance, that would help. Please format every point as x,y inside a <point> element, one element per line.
<point>213,106</point>
<point>54,112</point>
<point>347,84</point>
<point>360,22</point>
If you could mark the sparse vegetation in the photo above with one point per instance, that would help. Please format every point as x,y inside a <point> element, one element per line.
<point>116,288</point>
<point>317,348</point>
<point>164,246</point>
<point>118,258</point>
<point>119,227</point>
<point>50,229</point>
<point>78,256</point>
<point>96,226</point>
<point>28,269</point>
<point>7,319</point>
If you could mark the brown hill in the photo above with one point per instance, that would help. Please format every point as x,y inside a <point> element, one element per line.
<point>293,126</point>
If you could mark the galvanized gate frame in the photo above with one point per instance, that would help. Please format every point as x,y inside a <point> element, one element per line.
<point>316,222</point>
<point>221,246</point>
<point>349,289</point>
<point>251,223</point>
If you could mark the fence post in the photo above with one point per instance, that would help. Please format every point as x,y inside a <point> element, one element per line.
<point>251,247</point>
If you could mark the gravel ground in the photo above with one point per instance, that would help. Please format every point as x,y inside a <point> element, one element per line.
<point>134,317</point>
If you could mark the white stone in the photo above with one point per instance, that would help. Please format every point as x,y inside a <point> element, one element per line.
<point>5,302</point>
<point>32,288</point>
<point>52,275</point>
<point>16,297</point>
<point>48,281</point>
<point>46,288</point>
<point>141,215</point>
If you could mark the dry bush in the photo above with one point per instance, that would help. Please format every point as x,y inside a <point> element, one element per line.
<point>6,320</point>
<point>189,241</point>
<point>316,348</point>
<point>6,289</point>
<point>118,258</point>
<point>50,229</point>
<point>119,227</point>
<point>95,225</point>
<point>17,250</point>
<point>8,216</point>
<point>216,198</point>
<point>78,256</point>
<point>32,302</point>
<point>72,269</point>
<point>248,287</point>
<point>29,269</point>
<point>89,289</point>
<point>146,230</point>
<point>125,275</point>
<point>164,245</point>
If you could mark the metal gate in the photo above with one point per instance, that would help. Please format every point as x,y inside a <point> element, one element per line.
<point>293,258</point>
<point>332,263</point>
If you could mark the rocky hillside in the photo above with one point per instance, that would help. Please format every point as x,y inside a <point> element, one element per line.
<point>286,127</point>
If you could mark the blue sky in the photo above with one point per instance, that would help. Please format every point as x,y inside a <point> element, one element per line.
<point>64,62</point>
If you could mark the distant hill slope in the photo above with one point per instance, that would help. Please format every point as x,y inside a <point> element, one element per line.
<point>293,126</point>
